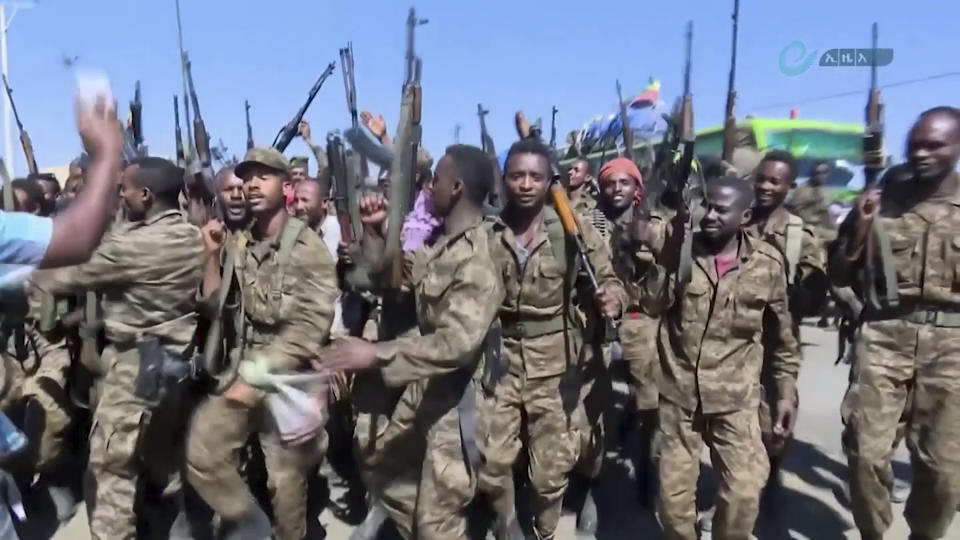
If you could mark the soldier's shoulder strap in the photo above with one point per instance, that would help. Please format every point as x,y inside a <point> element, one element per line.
<point>890,298</point>
<point>793,246</point>
<point>563,250</point>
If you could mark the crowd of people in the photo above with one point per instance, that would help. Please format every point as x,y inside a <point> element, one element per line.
<point>222,351</point>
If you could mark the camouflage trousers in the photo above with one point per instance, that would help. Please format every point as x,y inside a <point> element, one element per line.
<point>415,467</point>
<point>48,421</point>
<point>133,443</point>
<point>587,428</point>
<point>737,456</point>
<point>907,382</point>
<point>542,405</point>
<point>218,431</point>
<point>638,337</point>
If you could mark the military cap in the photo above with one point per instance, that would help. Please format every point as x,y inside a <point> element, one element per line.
<point>299,160</point>
<point>268,157</point>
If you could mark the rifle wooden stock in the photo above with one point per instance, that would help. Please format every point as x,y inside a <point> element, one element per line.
<point>178,135</point>
<point>24,137</point>
<point>28,152</point>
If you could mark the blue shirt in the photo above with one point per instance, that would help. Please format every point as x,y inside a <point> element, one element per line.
<point>23,242</point>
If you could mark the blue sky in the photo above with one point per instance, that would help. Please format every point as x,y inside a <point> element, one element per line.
<point>508,55</point>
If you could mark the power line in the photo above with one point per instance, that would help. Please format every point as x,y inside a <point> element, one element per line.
<point>855,92</point>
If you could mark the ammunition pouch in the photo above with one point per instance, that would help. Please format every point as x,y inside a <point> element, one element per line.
<point>495,366</point>
<point>159,371</point>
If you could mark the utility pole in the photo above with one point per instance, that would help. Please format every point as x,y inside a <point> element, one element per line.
<point>4,26</point>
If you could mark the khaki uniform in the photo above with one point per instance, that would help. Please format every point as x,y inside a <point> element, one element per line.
<point>638,330</point>
<point>908,367</point>
<point>148,273</point>
<point>584,202</point>
<point>287,317</point>
<point>807,287</point>
<point>711,357</point>
<point>541,343</point>
<point>811,204</point>
<point>39,372</point>
<point>458,293</point>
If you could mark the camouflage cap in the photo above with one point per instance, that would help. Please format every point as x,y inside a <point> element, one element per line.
<point>424,159</point>
<point>297,161</point>
<point>268,157</point>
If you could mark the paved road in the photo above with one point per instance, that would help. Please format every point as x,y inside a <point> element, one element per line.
<point>814,472</point>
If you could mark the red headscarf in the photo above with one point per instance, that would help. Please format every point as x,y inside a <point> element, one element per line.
<point>626,166</point>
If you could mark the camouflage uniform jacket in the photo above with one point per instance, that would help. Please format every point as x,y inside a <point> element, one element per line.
<point>809,287</point>
<point>711,352</point>
<point>147,272</point>
<point>289,311</point>
<point>810,203</point>
<point>925,245</point>
<point>534,282</point>
<point>458,291</point>
<point>630,261</point>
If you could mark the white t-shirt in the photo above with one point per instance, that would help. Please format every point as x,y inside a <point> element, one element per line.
<point>331,234</point>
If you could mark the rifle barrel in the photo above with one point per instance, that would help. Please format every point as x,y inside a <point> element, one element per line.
<point>13,105</point>
<point>733,53</point>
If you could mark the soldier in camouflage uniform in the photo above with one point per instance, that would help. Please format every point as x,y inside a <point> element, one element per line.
<point>148,271</point>
<point>458,292</point>
<point>797,242</point>
<point>287,301</point>
<point>581,187</point>
<point>908,348</point>
<point>711,358</point>
<point>621,189</point>
<point>809,201</point>
<point>542,341</point>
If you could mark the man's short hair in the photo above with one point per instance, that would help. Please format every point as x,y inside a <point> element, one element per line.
<point>475,171</point>
<point>528,146</point>
<point>742,187</point>
<point>161,176</point>
<point>323,185</point>
<point>47,177</point>
<point>32,188</point>
<point>943,110</point>
<point>782,156</point>
<point>586,162</point>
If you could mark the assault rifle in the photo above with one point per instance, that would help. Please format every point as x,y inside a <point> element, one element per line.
<point>24,136</point>
<point>289,131</point>
<point>553,126</point>
<point>873,159</point>
<point>136,123</point>
<point>406,145</point>
<point>496,199</point>
<point>625,125</point>
<point>246,107</point>
<point>178,135</point>
<point>201,138</point>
